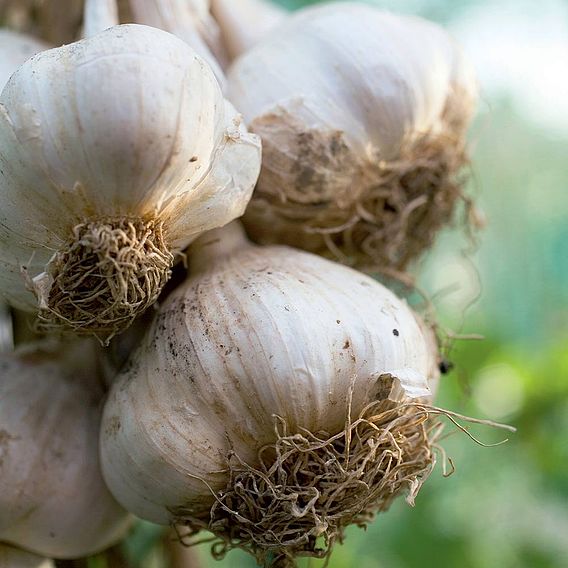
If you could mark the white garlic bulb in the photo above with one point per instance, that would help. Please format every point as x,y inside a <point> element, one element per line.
<point>244,23</point>
<point>115,153</point>
<point>14,558</point>
<point>253,333</point>
<point>363,116</point>
<point>189,20</point>
<point>15,49</point>
<point>53,500</point>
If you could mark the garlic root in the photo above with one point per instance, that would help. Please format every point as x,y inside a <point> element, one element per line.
<point>108,273</point>
<point>311,486</point>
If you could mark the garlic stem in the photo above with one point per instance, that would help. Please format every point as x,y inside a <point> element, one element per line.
<point>244,22</point>
<point>99,15</point>
<point>180,18</point>
<point>217,245</point>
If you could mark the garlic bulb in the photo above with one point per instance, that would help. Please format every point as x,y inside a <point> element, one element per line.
<point>15,49</point>
<point>244,23</point>
<point>14,558</point>
<point>115,153</point>
<point>363,116</point>
<point>53,500</point>
<point>191,22</point>
<point>254,333</point>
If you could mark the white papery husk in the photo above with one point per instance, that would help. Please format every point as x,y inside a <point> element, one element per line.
<point>116,151</point>
<point>15,558</point>
<point>53,500</point>
<point>363,116</point>
<point>260,346</point>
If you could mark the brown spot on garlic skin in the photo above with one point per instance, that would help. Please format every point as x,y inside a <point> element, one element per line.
<point>5,439</point>
<point>113,426</point>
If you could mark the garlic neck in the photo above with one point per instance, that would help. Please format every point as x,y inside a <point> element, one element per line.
<point>99,15</point>
<point>216,245</point>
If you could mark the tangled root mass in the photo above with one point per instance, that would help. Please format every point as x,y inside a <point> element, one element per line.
<point>376,216</point>
<point>108,273</point>
<point>308,487</point>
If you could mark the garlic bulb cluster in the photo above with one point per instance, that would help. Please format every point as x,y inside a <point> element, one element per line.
<point>254,333</point>
<point>53,500</point>
<point>363,116</point>
<point>15,49</point>
<point>14,558</point>
<point>244,23</point>
<point>115,153</point>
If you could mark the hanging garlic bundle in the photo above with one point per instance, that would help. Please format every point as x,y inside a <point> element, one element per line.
<point>244,23</point>
<point>278,347</point>
<point>363,116</point>
<point>15,49</point>
<point>14,558</point>
<point>115,153</point>
<point>53,500</point>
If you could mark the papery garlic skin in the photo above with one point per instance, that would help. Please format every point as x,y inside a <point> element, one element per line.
<point>53,500</point>
<point>253,332</point>
<point>126,128</point>
<point>244,23</point>
<point>350,102</point>
<point>15,49</point>
<point>14,558</point>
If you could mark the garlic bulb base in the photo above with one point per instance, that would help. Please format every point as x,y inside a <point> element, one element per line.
<point>110,272</point>
<point>312,485</point>
<point>377,216</point>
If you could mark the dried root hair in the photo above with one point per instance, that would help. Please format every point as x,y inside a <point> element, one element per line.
<point>308,487</point>
<point>377,217</point>
<point>107,274</point>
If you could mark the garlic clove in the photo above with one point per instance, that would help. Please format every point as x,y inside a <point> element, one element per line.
<point>253,333</point>
<point>14,558</point>
<point>363,116</point>
<point>53,500</point>
<point>244,23</point>
<point>111,168</point>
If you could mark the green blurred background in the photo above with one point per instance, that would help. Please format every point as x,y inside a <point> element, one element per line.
<point>505,507</point>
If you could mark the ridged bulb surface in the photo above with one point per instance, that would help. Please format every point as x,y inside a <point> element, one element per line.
<point>254,332</point>
<point>363,116</point>
<point>53,500</point>
<point>125,132</point>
